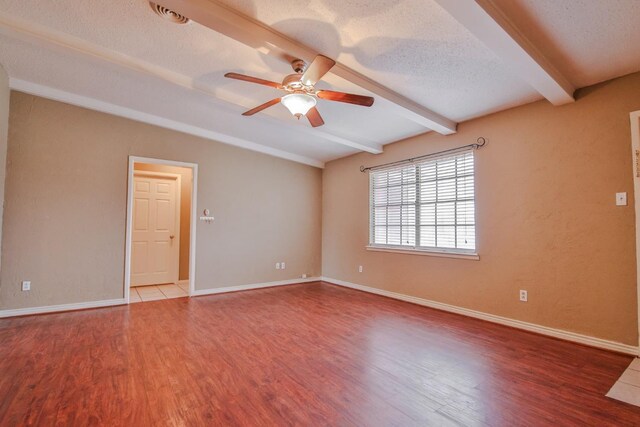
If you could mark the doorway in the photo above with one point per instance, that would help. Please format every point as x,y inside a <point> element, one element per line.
<point>635,152</point>
<point>160,235</point>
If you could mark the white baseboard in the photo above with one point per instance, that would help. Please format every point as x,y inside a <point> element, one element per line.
<point>211,291</point>
<point>61,307</point>
<point>531,327</point>
<point>544,330</point>
<point>119,301</point>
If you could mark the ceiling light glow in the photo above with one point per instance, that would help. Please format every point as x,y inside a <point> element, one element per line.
<point>298,103</point>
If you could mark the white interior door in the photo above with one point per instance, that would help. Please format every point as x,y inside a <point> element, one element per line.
<point>155,232</point>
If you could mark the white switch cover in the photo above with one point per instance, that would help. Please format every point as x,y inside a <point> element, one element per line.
<point>282,265</point>
<point>26,285</point>
<point>277,266</point>
<point>621,199</point>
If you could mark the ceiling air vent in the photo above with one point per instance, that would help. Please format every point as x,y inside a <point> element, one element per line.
<point>169,14</point>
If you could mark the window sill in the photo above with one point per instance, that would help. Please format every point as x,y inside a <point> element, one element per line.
<point>442,254</point>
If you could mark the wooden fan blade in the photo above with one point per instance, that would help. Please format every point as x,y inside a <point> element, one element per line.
<point>318,68</point>
<point>349,98</point>
<point>253,80</point>
<point>314,117</point>
<point>261,107</point>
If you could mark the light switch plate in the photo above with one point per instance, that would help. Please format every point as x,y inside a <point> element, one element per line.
<point>26,285</point>
<point>621,199</point>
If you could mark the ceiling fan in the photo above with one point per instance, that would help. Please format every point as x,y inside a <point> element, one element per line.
<point>301,97</point>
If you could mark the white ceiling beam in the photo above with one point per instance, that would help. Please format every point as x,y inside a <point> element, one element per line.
<point>489,24</point>
<point>266,40</point>
<point>31,32</point>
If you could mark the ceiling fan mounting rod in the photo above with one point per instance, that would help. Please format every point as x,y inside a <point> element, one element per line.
<point>299,66</point>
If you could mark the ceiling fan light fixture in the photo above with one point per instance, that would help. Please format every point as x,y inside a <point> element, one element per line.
<point>298,104</point>
<point>301,96</point>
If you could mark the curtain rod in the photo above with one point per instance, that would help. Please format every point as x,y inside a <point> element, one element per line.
<point>480,142</point>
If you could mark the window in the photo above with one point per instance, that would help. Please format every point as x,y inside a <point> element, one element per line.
<point>426,205</point>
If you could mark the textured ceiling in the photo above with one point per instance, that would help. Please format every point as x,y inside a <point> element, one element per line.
<point>422,53</point>
<point>589,41</point>
<point>193,51</point>
<point>153,96</point>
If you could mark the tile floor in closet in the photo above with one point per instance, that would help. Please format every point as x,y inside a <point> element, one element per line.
<point>157,292</point>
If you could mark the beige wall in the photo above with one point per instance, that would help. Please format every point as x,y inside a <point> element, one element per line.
<point>5,93</point>
<point>66,186</point>
<point>186,176</point>
<point>546,217</point>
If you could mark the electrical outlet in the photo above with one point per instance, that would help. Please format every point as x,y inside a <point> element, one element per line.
<point>359,269</point>
<point>277,266</point>
<point>304,276</point>
<point>26,285</point>
<point>282,265</point>
<point>621,199</point>
<point>523,295</point>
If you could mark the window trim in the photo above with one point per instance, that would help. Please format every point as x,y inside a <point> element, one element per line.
<point>435,252</point>
<point>471,254</point>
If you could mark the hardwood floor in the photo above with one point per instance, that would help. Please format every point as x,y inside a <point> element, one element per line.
<point>311,354</point>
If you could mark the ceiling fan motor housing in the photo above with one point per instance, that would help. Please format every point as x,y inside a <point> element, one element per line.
<point>292,81</point>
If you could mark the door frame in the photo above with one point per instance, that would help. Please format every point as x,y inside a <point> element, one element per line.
<point>178,201</point>
<point>635,155</point>
<point>194,218</point>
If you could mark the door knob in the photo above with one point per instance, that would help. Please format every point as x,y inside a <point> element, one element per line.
<point>172,236</point>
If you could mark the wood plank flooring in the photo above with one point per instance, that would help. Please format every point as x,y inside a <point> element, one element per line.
<point>310,354</point>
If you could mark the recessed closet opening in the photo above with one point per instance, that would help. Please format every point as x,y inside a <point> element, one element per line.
<point>160,230</point>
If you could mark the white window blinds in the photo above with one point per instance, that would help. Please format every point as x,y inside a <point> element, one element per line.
<point>425,205</point>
